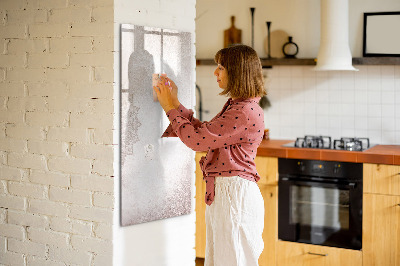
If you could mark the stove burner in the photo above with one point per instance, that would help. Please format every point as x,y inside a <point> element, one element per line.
<point>324,142</point>
<point>308,141</point>
<point>351,144</point>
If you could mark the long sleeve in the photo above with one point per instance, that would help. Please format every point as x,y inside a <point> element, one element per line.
<point>186,113</point>
<point>225,130</point>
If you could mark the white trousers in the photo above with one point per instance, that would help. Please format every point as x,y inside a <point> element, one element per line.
<point>234,223</point>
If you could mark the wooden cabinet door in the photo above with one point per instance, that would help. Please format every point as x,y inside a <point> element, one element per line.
<point>200,209</point>
<point>267,168</point>
<point>381,179</point>
<point>297,254</point>
<point>270,233</point>
<point>381,230</point>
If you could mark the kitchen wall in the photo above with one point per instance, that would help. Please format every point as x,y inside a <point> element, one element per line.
<point>56,122</point>
<point>339,104</point>
<point>169,241</point>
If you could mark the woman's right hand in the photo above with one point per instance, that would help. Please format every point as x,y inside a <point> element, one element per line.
<point>174,92</point>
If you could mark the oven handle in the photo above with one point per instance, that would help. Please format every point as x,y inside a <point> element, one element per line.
<point>297,181</point>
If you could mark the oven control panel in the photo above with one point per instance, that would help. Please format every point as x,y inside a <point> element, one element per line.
<point>330,169</point>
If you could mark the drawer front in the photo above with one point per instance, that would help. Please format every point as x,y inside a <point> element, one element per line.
<point>381,179</point>
<point>296,254</point>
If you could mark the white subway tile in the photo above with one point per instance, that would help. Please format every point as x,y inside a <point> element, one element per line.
<point>322,121</point>
<point>322,96</point>
<point>374,83</point>
<point>397,72</point>
<point>397,123</point>
<point>388,110</point>
<point>374,97</point>
<point>374,110</point>
<point>335,95</point>
<point>285,84</point>
<point>310,109</point>
<point>322,109</point>
<point>348,96</point>
<point>375,136</point>
<point>309,72</point>
<point>348,122</point>
<point>388,97</point>
<point>347,109</point>
<point>297,83</point>
<point>360,133</point>
<point>348,132</point>
<point>334,108</point>
<point>374,124</point>
<point>361,123</point>
<point>388,84</point>
<point>361,110</point>
<point>388,137</point>
<point>387,72</point>
<point>397,134</point>
<point>388,124</point>
<point>310,95</point>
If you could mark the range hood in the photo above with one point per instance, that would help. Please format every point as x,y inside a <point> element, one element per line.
<point>334,51</point>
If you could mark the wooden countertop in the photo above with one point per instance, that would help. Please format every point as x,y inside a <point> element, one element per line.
<point>379,154</point>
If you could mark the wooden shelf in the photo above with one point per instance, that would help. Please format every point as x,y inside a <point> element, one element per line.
<point>312,61</point>
<point>376,61</point>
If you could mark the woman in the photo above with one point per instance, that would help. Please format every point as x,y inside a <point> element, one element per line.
<point>235,207</point>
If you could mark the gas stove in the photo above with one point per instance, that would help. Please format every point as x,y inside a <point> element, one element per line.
<point>325,142</point>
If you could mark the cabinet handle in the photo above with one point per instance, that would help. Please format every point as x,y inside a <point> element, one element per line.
<point>318,254</point>
<point>398,204</point>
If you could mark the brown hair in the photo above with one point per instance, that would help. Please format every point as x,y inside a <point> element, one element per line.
<point>245,78</point>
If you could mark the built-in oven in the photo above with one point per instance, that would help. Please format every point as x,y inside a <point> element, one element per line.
<point>320,202</point>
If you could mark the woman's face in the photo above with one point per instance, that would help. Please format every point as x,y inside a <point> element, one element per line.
<point>222,76</point>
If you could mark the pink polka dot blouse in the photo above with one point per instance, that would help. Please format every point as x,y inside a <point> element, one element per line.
<point>231,139</point>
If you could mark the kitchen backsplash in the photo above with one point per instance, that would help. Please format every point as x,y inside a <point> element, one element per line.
<point>337,104</point>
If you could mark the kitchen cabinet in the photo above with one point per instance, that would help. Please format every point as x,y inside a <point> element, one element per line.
<point>381,215</point>
<point>270,233</point>
<point>267,167</point>
<point>291,253</point>
<point>381,179</point>
<point>200,209</point>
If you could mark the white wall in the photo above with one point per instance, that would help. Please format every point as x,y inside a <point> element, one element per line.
<point>170,241</point>
<point>338,104</point>
<point>299,18</point>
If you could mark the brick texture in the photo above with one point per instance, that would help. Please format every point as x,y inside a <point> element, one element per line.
<point>56,125</point>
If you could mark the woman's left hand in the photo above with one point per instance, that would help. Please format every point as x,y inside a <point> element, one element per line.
<point>164,94</point>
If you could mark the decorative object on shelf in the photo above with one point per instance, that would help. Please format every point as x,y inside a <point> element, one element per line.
<point>232,35</point>
<point>252,9</point>
<point>378,38</point>
<point>278,38</point>
<point>269,38</point>
<point>334,51</point>
<point>290,49</point>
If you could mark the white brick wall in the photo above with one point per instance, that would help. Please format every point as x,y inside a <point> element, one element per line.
<point>56,123</point>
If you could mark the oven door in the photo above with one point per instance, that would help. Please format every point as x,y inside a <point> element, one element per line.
<point>315,211</point>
